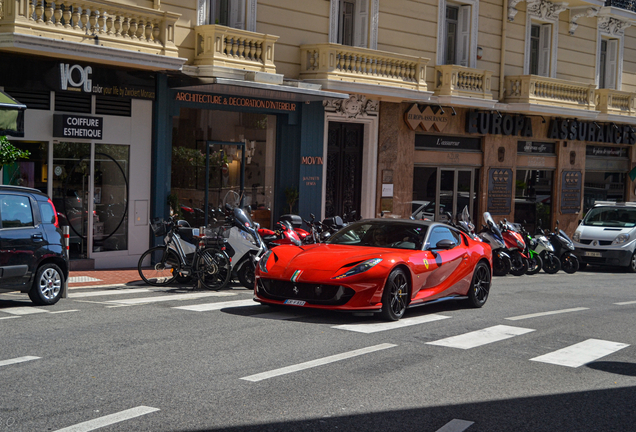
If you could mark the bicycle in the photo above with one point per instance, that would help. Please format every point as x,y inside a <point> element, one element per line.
<point>209,265</point>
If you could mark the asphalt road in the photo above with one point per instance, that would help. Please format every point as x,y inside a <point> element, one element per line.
<point>546,353</point>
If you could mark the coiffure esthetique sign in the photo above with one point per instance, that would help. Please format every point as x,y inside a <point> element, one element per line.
<point>73,126</point>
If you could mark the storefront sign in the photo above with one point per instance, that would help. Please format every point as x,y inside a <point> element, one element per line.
<point>448,143</point>
<point>609,133</point>
<point>612,152</point>
<point>498,124</point>
<point>570,192</point>
<point>500,191</point>
<point>535,147</point>
<point>74,126</point>
<point>427,119</point>
<point>78,78</point>
<point>210,99</point>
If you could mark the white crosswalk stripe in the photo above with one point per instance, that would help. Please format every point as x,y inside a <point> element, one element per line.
<point>171,297</point>
<point>481,337</point>
<point>108,420</point>
<point>17,360</point>
<point>217,306</point>
<point>378,327</point>
<point>581,353</point>
<point>108,293</point>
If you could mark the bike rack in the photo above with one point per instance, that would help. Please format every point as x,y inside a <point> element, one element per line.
<point>207,170</point>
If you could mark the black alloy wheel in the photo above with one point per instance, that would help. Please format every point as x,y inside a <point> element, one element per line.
<point>500,264</point>
<point>480,285</point>
<point>519,264</point>
<point>551,264</point>
<point>395,296</point>
<point>535,264</point>
<point>632,263</point>
<point>569,263</point>
<point>246,275</point>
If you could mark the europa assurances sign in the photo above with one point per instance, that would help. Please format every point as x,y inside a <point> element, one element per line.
<point>75,126</point>
<point>500,191</point>
<point>427,119</point>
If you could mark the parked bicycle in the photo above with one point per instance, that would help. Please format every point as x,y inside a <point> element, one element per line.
<point>208,264</point>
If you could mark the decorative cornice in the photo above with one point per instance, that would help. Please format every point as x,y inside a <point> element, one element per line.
<point>577,13</point>
<point>546,10</point>
<point>612,26</point>
<point>355,106</point>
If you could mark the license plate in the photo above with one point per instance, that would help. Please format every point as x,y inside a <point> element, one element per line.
<point>295,302</point>
<point>593,254</point>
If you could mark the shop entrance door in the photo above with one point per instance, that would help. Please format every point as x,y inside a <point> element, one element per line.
<point>100,171</point>
<point>455,192</point>
<point>344,169</point>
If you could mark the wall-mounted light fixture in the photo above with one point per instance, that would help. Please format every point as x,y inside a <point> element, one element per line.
<point>480,52</point>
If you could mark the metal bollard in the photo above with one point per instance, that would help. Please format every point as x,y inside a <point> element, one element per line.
<point>66,240</point>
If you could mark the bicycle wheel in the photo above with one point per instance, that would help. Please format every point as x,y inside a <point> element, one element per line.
<point>158,267</point>
<point>213,268</point>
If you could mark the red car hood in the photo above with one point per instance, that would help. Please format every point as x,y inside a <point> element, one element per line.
<point>325,257</point>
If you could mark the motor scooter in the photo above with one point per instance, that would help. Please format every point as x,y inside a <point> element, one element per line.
<point>491,234</point>
<point>551,262</point>
<point>535,262</point>
<point>563,248</point>
<point>516,247</point>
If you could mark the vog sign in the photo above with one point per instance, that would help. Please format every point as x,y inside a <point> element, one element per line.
<point>76,76</point>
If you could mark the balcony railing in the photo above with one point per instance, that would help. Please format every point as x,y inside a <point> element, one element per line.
<point>615,102</point>
<point>361,65</point>
<point>535,89</point>
<point>105,23</point>
<point>219,45</point>
<point>629,5</point>
<point>454,80</point>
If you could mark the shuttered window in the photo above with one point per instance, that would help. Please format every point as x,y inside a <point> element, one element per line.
<point>457,47</point>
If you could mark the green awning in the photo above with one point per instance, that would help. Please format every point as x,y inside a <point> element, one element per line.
<point>11,116</point>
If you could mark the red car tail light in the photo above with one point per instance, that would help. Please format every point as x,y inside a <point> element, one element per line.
<point>57,222</point>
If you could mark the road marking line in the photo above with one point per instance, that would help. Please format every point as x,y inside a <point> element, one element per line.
<point>538,314</point>
<point>581,353</point>
<point>23,310</point>
<point>378,327</point>
<point>9,317</point>
<point>481,337</point>
<point>108,293</point>
<point>17,360</point>
<point>109,419</point>
<point>77,279</point>
<point>316,363</point>
<point>217,306</point>
<point>174,297</point>
<point>456,425</point>
<point>65,311</point>
<point>626,303</point>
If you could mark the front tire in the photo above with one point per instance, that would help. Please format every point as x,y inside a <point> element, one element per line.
<point>519,264</point>
<point>47,285</point>
<point>395,296</point>
<point>569,263</point>
<point>535,264</point>
<point>632,264</point>
<point>480,286</point>
<point>165,268</point>
<point>213,269</point>
<point>246,275</point>
<point>551,264</point>
<point>500,265</point>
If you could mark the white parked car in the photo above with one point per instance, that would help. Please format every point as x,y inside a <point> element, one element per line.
<point>607,236</point>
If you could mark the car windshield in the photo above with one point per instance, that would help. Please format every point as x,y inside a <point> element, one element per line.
<point>611,217</point>
<point>394,235</point>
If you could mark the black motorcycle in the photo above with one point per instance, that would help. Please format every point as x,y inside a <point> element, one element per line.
<point>491,234</point>
<point>563,248</point>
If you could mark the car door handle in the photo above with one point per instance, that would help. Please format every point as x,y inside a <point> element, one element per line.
<point>37,237</point>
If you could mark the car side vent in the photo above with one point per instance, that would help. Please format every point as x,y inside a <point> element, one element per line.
<point>113,106</point>
<point>33,99</point>
<point>71,102</point>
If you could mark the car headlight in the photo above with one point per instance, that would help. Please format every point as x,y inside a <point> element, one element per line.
<point>262,263</point>
<point>622,238</point>
<point>577,236</point>
<point>360,268</point>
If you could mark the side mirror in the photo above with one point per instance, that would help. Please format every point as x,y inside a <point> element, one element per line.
<point>445,244</point>
<point>580,220</point>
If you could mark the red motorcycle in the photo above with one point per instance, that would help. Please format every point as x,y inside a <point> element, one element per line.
<point>516,247</point>
<point>283,234</point>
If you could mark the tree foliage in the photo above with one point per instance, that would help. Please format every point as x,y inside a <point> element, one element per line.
<point>9,153</point>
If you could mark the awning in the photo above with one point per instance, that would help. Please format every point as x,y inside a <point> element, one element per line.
<point>300,92</point>
<point>11,116</point>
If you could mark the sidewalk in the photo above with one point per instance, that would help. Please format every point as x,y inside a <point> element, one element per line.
<point>110,277</point>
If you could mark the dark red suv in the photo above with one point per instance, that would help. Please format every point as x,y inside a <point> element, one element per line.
<point>33,259</point>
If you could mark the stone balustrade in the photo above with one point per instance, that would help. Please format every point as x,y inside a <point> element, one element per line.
<point>454,80</point>
<point>218,45</point>
<point>615,102</point>
<point>105,23</point>
<point>361,65</point>
<point>533,89</point>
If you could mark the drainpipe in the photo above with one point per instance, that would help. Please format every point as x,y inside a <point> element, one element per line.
<point>502,63</point>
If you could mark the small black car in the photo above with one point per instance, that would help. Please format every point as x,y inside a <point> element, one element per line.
<point>33,259</point>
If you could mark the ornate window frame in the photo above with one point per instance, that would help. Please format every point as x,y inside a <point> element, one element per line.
<point>611,28</point>
<point>204,7</point>
<point>474,28</point>
<point>373,10</point>
<point>545,12</point>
